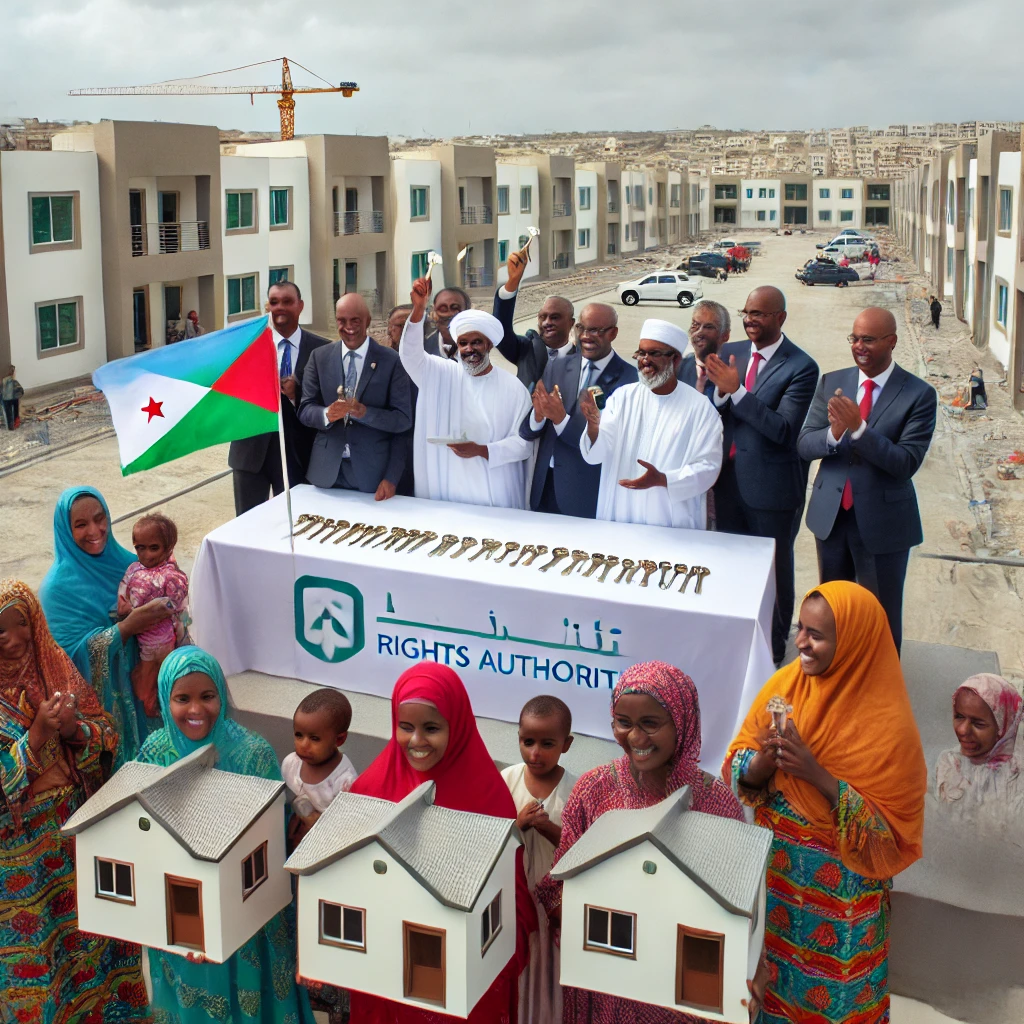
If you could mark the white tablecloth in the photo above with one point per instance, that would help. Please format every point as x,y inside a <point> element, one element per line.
<point>357,617</point>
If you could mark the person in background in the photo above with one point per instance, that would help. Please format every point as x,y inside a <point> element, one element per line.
<point>79,596</point>
<point>979,396</point>
<point>449,302</point>
<point>845,806</point>
<point>192,327</point>
<point>256,461</point>
<point>870,425</point>
<point>10,394</point>
<point>395,324</point>
<point>935,308</point>
<point>258,982</point>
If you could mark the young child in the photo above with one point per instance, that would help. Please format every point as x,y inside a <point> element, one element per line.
<point>317,771</point>
<point>540,787</point>
<point>11,392</point>
<point>155,574</point>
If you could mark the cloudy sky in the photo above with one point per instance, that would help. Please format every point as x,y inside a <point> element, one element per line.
<point>500,66</point>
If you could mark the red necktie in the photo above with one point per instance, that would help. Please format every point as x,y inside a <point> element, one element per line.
<point>749,383</point>
<point>865,412</point>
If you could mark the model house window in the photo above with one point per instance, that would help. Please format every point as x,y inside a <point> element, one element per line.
<point>418,197</point>
<point>879,193</point>
<point>584,197</point>
<point>242,295</point>
<point>609,931</point>
<point>1005,209</point>
<point>490,923</point>
<point>424,967</point>
<point>279,274</point>
<point>115,880</point>
<point>699,958</point>
<point>760,214</point>
<point>53,220</point>
<point>796,192</point>
<point>58,324</point>
<point>950,206</point>
<point>676,195</point>
<point>502,199</point>
<point>725,191</point>
<point>824,193</point>
<point>762,193</point>
<point>846,193</point>
<point>650,194</point>
<point>342,926</point>
<point>625,233</point>
<point>503,250</point>
<point>629,195</point>
<point>523,239</point>
<point>280,208</point>
<point>526,199</point>
<point>825,215</point>
<point>877,216</point>
<point>750,193</point>
<point>172,301</point>
<point>1002,304</point>
<point>241,211</point>
<point>254,870</point>
<point>771,193</point>
<point>583,238</point>
<point>845,216</point>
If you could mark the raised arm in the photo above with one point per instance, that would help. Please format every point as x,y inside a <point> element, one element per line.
<point>597,441</point>
<point>813,440</point>
<point>902,458</point>
<point>511,346</point>
<point>515,447</point>
<point>781,425</point>
<point>705,461</point>
<point>396,416</point>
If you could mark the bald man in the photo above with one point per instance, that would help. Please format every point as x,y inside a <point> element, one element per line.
<point>356,395</point>
<point>870,425</point>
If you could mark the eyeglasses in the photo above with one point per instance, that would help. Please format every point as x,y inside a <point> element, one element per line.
<point>660,354</point>
<point>866,339</point>
<point>697,328</point>
<point>649,726</point>
<point>756,314</point>
<point>597,332</point>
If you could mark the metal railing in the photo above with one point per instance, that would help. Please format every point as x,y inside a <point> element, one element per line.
<point>613,206</point>
<point>476,215</point>
<point>372,296</point>
<point>181,236</point>
<point>479,277</point>
<point>561,209</point>
<point>612,248</point>
<point>563,261</point>
<point>365,222</point>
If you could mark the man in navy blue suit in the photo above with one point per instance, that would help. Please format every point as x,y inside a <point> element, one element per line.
<point>562,480</point>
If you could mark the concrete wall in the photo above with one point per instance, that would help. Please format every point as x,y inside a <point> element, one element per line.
<point>246,252</point>
<point>835,205</point>
<point>1005,250</point>
<point>587,219</point>
<point>769,204</point>
<point>513,225</point>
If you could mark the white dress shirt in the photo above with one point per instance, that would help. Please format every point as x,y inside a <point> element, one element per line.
<point>766,353</point>
<point>880,381</point>
<point>360,354</point>
<point>293,341</point>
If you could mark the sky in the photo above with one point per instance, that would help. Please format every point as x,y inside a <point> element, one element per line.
<point>524,66</point>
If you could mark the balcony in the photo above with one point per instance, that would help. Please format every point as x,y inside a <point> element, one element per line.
<point>612,248</point>
<point>563,261</point>
<point>367,222</point>
<point>183,236</point>
<point>476,215</point>
<point>479,277</point>
<point>561,209</point>
<point>613,206</point>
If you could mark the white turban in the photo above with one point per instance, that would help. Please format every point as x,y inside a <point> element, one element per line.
<point>477,320</point>
<point>663,331</point>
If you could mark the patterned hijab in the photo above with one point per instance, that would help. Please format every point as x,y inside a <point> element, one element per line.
<point>1007,708</point>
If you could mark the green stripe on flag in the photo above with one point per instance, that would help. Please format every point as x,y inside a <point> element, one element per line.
<point>214,419</point>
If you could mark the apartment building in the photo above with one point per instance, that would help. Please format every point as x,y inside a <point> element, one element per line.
<point>588,215</point>
<point>760,202</point>
<point>519,198</point>
<point>634,210</point>
<point>608,200</point>
<point>556,220</point>
<point>838,203</point>
<point>418,224</point>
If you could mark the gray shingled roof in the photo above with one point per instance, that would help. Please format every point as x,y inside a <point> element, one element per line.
<point>725,857</point>
<point>205,809</point>
<point>451,853</point>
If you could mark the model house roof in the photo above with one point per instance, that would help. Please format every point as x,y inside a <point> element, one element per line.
<point>451,853</point>
<point>205,809</point>
<point>725,857</point>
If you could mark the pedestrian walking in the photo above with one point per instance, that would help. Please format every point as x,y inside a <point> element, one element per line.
<point>936,310</point>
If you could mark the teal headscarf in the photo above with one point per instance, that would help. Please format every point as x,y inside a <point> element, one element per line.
<point>80,589</point>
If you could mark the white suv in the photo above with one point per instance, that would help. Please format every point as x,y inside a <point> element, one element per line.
<point>661,286</point>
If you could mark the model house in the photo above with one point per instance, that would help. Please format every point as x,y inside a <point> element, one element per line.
<point>184,858</point>
<point>665,905</point>
<point>407,901</point>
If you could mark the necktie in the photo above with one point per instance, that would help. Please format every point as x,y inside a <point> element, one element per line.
<point>587,377</point>
<point>755,361</point>
<point>350,375</point>
<point>286,358</point>
<point>865,412</point>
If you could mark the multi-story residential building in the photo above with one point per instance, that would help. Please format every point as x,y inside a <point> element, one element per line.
<point>418,219</point>
<point>877,203</point>
<point>608,198</point>
<point>634,210</point>
<point>588,215</point>
<point>760,202</point>
<point>838,203</point>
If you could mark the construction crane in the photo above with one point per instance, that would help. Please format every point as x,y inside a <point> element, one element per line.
<point>183,87</point>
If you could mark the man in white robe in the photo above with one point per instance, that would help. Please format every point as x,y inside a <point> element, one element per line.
<point>465,398</point>
<point>666,427</point>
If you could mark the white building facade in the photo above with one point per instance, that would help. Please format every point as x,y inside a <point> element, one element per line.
<point>416,201</point>
<point>518,209</point>
<point>760,203</point>
<point>837,204</point>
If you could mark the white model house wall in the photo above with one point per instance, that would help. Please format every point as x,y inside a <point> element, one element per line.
<point>586,216</point>
<point>760,203</point>
<point>417,234</point>
<point>1004,258</point>
<point>39,275</point>
<point>837,203</point>
<point>514,225</point>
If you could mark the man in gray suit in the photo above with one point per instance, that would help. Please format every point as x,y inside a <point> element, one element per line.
<point>709,331</point>
<point>355,395</point>
<point>562,481</point>
<point>448,303</point>
<point>870,425</point>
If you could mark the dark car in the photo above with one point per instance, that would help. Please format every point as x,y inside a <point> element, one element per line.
<point>707,264</point>
<point>820,272</point>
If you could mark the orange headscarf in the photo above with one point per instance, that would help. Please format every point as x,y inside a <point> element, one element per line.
<point>857,721</point>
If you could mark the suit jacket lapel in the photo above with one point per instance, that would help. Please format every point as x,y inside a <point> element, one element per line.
<point>369,365</point>
<point>566,372</point>
<point>893,386</point>
<point>776,361</point>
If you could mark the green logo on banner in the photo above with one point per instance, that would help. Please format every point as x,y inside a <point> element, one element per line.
<point>328,618</point>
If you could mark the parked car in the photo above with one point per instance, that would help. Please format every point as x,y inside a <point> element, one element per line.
<point>725,243</point>
<point>849,236</point>
<point>826,272</point>
<point>853,249</point>
<point>661,286</point>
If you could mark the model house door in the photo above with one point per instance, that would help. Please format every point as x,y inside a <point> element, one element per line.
<point>699,968</point>
<point>184,912</point>
<point>170,229</point>
<point>424,963</point>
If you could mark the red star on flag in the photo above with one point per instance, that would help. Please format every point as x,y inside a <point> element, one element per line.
<point>153,409</point>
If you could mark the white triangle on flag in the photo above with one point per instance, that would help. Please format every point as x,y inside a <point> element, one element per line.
<point>147,406</point>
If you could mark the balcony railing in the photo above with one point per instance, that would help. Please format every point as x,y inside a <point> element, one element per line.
<point>479,277</point>
<point>612,248</point>
<point>366,222</point>
<point>563,261</point>
<point>476,215</point>
<point>613,206</point>
<point>561,209</point>
<point>182,236</point>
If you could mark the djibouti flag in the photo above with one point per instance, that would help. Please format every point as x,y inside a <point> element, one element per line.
<point>172,401</point>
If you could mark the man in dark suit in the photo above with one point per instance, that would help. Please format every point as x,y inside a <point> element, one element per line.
<point>256,461</point>
<point>448,303</point>
<point>870,425</point>
<point>709,331</point>
<point>355,395</point>
<point>763,389</point>
<point>531,352</point>
<point>562,481</point>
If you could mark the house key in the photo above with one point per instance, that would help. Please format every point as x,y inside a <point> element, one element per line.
<point>526,549</point>
<point>598,561</point>
<point>410,536</point>
<point>446,542</point>
<point>367,530</point>
<point>377,531</point>
<point>309,520</point>
<point>488,547</point>
<point>556,556</point>
<point>325,524</point>
<point>341,524</point>
<point>649,568</point>
<point>512,545</point>
<point>702,571</point>
<point>627,565</point>
<point>535,550</point>
<point>467,543</point>
<point>427,537</point>
<point>679,570</point>
<point>609,563</point>
<point>665,568</point>
<point>355,528</point>
<point>689,576</point>
<point>397,532</point>
<point>578,558</point>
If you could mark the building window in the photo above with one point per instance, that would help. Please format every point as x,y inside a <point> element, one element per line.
<point>846,216</point>
<point>254,870</point>
<point>1005,209</point>
<point>761,215</point>
<point>762,193</point>
<point>609,931</point>
<point>750,193</point>
<point>950,205</point>
<point>172,301</point>
<point>771,214</point>
<point>699,973</point>
<point>676,195</point>
<point>1002,303</point>
<point>583,238</point>
<point>526,199</point>
<point>584,192</point>
<point>280,208</point>
<point>241,211</point>
<point>877,216</point>
<point>880,193</point>
<point>523,239</point>
<point>490,923</point>
<point>242,292</point>
<point>825,216</point>
<point>824,193</point>
<point>725,191</point>
<point>650,194</point>
<point>342,926</point>
<point>423,972</point>
<point>502,199</point>
<point>846,193</point>
<point>797,193</point>
<point>771,193</point>
<point>53,222</point>
<point>279,274</point>
<point>419,196</point>
<point>59,325</point>
<point>115,880</point>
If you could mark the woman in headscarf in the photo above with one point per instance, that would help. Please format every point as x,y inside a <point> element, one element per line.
<point>258,982</point>
<point>434,738</point>
<point>79,596</point>
<point>656,721</point>
<point>987,713</point>
<point>842,789</point>
<point>55,743</point>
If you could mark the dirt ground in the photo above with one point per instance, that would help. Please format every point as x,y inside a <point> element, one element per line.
<point>967,509</point>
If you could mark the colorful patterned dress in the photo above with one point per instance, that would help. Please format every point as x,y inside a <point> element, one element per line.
<point>50,972</point>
